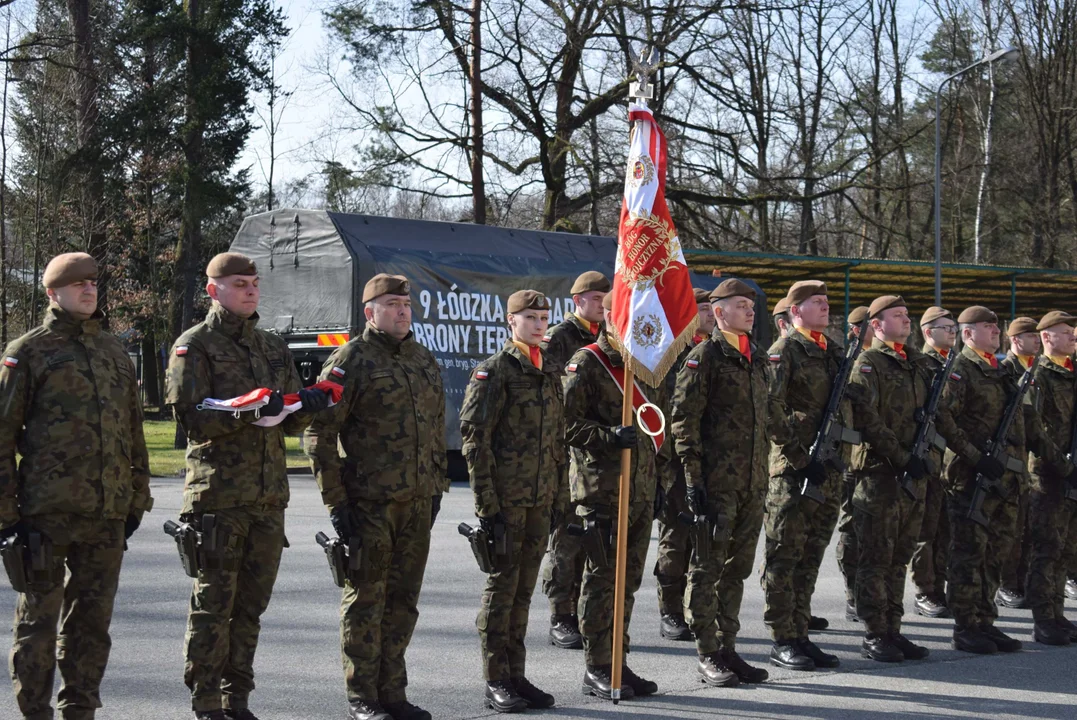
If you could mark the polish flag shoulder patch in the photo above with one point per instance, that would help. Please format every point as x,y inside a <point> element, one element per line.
<point>482,375</point>
<point>547,338</point>
<point>337,372</point>
<point>775,358</point>
<point>955,376</point>
<point>865,369</point>
<point>11,362</point>
<point>572,367</point>
<point>181,350</point>
<point>692,363</point>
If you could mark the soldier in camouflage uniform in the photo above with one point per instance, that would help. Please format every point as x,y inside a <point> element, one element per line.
<point>593,403</point>
<point>1024,347</point>
<point>929,559</point>
<point>512,425</point>
<point>895,381</point>
<point>977,394</point>
<point>386,489</point>
<point>71,408</point>
<point>802,368</point>
<point>236,470</point>
<point>674,543</point>
<point>564,561</point>
<point>1052,516</point>
<point>719,425</point>
<point>783,323</point>
<point>846,550</point>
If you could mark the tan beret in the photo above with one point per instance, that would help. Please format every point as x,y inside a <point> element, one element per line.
<point>1057,317</point>
<point>858,315</point>
<point>732,288</point>
<point>884,302</point>
<point>781,306</point>
<point>68,269</point>
<point>1021,325</point>
<point>976,314</point>
<point>230,263</point>
<point>701,295</point>
<point>934,313</point>
<point>385,284</point>
<point>590,280</point>
<point>607,302</point>
<point>527,300</point>
<point>801,291</point>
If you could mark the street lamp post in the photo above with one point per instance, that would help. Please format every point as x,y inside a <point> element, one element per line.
<point>1009,53</point>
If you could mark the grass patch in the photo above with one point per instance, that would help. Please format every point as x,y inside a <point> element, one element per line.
<point>166,461</point>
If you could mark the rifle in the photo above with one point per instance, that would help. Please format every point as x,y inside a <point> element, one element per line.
<point>927,435</point>
<point>831,433</point>
<point>704,530</point>
<point>345,559</point>
<point>1071,456</point>
<point>996,448</point>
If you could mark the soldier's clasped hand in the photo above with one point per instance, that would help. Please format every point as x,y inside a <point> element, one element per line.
<point>275,406</point>
<point>697,499</point>
<point>624,436</point>
<point>313,399</point>
<point>343,521</point>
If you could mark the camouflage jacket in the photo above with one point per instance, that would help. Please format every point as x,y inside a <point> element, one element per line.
<point>894,389</point>
<point>592,408</point>
<point>719,416</point>
<point>71,408</point>
<point>1056,390</point>
<point>976,396</point>
<point>513,426</point>
<point>390,423</point>
<point>231,462</point>
<point>565,338</point>
<point>800,377</point>
<point>1035,433</point>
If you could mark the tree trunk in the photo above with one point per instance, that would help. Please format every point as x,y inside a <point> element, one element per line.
<point>478,187</point>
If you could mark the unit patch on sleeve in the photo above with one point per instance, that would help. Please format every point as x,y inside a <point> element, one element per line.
<point>482,375</point>
<point>181,350</point>
<point>11,361</point>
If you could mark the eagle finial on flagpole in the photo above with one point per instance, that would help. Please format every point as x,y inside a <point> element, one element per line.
<point>643,69</point>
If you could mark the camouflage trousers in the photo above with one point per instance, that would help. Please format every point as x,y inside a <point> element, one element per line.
<point>227,603</point>
<point>976,555</point>
<point>716,587</point>
<point>929,560</point>
<point>82,606</point>
<point>564,566</point>
<point>674,549</point>
<point>846,550</point>
<point>1053,527</point>
<point>596,595</point>
<point>1015,564</point>
<point>506,599</point>
<point>888,526</point>
<point>798,532</point>
<point>378,616</point>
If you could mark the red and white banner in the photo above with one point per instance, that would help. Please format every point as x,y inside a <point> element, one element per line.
<point>259,398</point>
<point>654,313</point>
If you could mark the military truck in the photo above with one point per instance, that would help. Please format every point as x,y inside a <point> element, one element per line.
<point>314,263</point>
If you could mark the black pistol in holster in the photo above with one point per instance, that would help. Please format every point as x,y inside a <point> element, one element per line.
<point>996,448</point>
<point>345,558</point>
<point>481,546</point>
<point>831,434</point>
<point>927,436</point>
<point>703,531</point>
<point>594,531</point>
<point>15,556</point>
<point>30,560</point>
<point>197,548</point>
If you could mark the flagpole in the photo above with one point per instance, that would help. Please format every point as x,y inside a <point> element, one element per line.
<point>620,562</point>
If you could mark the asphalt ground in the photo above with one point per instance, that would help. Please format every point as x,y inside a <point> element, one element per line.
<point>299,675</point>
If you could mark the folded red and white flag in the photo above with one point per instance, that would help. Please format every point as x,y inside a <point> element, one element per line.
<point>257,399</point>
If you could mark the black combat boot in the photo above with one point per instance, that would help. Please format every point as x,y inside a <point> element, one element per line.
<point>243,714</point>
<point>713,671</point>
<point>367,710</point>
<point>210,715</point>
<point>1068,627</point>
<point>880,649</point>
<point>565,632</point>
<point>931,606</point>
<point>640,687</point>
<point>1009,598</point>
<point>820,658</point>
<point>501,696</point>
<point>908,648</point>
<point>537,699</point>
<point>850,613</point>
<point>1002,641</point>
<point>596,681</point>
<point>817,624</point>
<point>404,710</point>
<point>673,627</point>
<point>748,674</point>
<point>1049,632</point>
<point>971,640</point>
<point>787,654</point>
